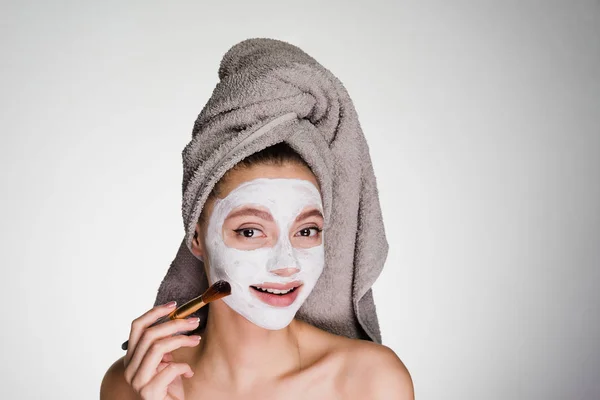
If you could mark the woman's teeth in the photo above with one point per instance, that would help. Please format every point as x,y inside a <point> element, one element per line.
<point>274,291</point>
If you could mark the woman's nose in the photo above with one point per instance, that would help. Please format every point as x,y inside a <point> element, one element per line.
<point>284,272</point>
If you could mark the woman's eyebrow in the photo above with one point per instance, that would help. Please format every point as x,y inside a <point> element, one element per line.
<point>309,213</point>
<point>251,212</point>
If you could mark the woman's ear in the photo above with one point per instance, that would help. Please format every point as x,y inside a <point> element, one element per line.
<point>197,248</point>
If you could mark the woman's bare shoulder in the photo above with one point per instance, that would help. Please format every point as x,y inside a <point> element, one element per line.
<point>381,372</point>
<point>114,385</point>
<point>367,369</point>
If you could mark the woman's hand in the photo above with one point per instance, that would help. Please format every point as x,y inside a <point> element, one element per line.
<point>149,366</point>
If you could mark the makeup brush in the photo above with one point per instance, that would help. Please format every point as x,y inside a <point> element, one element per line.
<point>217,290</point>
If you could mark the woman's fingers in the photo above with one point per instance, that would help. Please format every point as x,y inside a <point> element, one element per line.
<point>157,387</point>
<point>151,335</point>
<point>162,366</point>
<point>139,325</point>
<point>149,353</point>
<point>154,355</point>
<point>167,358</point>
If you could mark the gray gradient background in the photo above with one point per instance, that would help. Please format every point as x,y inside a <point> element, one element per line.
<point>484,125</point>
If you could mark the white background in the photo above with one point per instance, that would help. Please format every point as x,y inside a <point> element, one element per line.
<point>483,120</point>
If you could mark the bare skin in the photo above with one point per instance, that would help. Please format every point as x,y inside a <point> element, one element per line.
<point>239,360</point>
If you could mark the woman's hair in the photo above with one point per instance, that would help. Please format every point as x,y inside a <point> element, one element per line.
<point>278,155</point>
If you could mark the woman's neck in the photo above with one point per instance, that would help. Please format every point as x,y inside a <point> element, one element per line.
<point>236,353</point>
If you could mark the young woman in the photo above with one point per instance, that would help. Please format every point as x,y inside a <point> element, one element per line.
<point>280,201</point>
<point>237,357</point>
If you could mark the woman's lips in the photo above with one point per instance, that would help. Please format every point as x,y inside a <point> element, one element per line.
<point>278,286</point>
<point>277,300</point>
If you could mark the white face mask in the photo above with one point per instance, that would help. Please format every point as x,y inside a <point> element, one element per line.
<point>284,199</point>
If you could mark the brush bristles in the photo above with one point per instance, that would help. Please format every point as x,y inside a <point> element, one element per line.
<point>216,291</point>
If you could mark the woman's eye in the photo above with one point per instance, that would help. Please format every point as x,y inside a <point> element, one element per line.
<point>307,231</point>
<point>247,232</point>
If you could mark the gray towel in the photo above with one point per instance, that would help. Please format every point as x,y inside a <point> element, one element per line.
<point>271,91</point>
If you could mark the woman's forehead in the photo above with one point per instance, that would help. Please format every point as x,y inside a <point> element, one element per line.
<point>258,211</point>
<point>276,195</point>
<point>238,177</point>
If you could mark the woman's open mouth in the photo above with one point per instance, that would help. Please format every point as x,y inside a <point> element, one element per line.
<point>277,295</point>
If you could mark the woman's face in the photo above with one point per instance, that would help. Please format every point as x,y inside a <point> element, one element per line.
<point>264,236</point>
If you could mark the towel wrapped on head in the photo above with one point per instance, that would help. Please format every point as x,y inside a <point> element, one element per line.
<point>269,92</point>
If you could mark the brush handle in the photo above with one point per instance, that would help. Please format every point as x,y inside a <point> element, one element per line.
<point>159,321</point>
<point>181,312</point>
